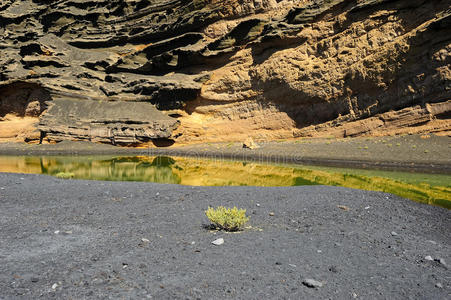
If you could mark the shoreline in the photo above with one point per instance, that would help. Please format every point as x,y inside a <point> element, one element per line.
<point>400,153</point>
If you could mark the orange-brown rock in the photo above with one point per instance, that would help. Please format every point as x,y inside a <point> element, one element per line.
<point>228,70</point>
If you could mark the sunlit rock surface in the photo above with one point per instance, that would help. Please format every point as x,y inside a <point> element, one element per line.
<point>226,70</point>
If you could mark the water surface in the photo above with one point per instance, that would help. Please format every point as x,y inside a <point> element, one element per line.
<point>427,188</point>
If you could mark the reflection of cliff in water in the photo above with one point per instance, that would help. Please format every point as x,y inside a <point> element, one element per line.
<point>115,169</point>
<point>123,169</point>
<point>210,172</point>
<point>191,171</point>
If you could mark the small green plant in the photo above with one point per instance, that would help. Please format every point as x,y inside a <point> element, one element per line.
<point>64,175</point>
<point>229,219</point>
<point>426,151</point>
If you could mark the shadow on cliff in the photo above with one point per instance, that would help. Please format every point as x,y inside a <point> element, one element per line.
<point>23,99</point>
<point>358,99</point>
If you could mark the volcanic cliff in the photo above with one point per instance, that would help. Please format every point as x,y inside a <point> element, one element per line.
<point>131,72</point>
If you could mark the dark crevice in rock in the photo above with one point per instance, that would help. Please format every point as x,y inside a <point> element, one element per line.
<point>444,115</point>
<point>313,11</point>
<point>180,97</point>
<point>43,63</point>
<point>243,33</point>
<point>23,99</point>
<point>30,49</point>
<point>163,142</point>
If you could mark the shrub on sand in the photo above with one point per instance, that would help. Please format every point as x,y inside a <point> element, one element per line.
<point>229,219</point>
<point>64,175</point>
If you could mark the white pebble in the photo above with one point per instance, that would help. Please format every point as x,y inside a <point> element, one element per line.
<point>218,242</point>
<point>145,240</point>
<point>312,283</point>
<point>429,258</point>
<point>57,232</point>
<point>54,286</point>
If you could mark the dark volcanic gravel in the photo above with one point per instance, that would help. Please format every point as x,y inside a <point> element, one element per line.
<point>71,239</point>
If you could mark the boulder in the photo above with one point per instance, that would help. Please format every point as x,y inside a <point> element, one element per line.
<point>250,144</point>
<point>115,122</point>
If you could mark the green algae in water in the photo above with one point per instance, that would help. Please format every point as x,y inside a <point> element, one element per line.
<point>426,188</point>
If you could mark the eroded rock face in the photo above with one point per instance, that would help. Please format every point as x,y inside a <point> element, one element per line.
<point>232,69</point>
<point>23,99</point>
<point>115,122</point>
<point>21,104</point>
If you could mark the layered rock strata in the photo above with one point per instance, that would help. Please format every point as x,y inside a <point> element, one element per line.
<point>226,70</point>
<point>118,122</point>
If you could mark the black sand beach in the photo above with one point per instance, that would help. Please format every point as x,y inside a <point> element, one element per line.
<point>71,239</point>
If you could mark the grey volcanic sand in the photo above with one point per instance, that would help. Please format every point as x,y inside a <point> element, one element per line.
<point>98,252</point>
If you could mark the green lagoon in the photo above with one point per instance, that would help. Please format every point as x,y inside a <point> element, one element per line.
<point>432,189</point>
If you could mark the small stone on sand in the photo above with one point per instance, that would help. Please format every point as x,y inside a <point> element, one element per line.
<point>312,283</point>
<point>343,207</point>
<point>218,242</point>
